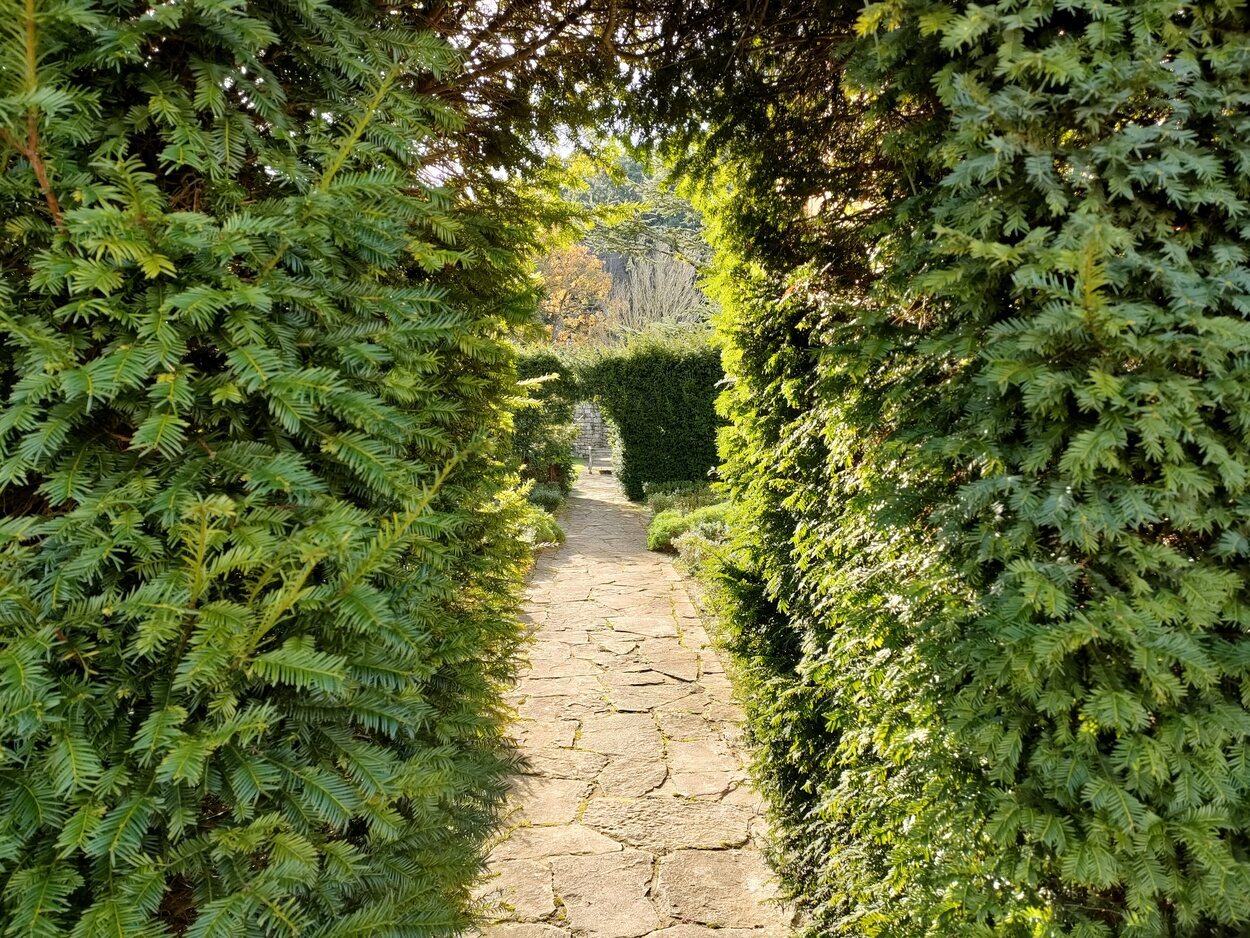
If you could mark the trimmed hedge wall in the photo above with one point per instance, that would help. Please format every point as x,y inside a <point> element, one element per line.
<point>660,391</point>
<point>991,430</point>
<point>258,532</point>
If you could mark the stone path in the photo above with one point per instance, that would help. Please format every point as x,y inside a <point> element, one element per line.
<point>634,817</point>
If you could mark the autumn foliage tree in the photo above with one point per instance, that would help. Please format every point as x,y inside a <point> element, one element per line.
<point>576,287</point>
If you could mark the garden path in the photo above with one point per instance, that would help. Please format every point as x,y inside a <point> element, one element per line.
<point>634,816</point>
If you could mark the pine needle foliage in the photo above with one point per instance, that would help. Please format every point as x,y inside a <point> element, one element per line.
<point>256,551</point>
<point>988,311</point>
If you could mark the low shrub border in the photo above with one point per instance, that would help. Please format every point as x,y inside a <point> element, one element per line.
<point>667,526</point>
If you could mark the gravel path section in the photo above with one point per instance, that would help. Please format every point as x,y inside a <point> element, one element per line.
<point>635,816</point>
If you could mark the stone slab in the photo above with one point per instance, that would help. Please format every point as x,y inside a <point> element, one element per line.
<point>717,887</point>
<point>530,843</point>
<point>550,800</point>
<point>520,890</point>
<point>607,896</point>
<point>667,823</point>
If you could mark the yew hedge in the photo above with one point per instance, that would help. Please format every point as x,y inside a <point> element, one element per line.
<point>986,301</point>
<point>660,391</point>
<point>543,429</point>
<point>258,552</point>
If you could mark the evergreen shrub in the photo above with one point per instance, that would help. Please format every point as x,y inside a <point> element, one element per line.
<point>544,432</point>
<point>546,496</point>
<point>989,342</point>
<point>685,496</point>
<point>258,539</point>
<point>660,391</point>
<point>672,523</point>
<point>541,529</point>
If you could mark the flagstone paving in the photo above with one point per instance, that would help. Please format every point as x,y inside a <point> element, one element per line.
<point>634,816</point>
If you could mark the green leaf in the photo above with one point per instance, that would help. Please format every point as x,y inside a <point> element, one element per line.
<point>299,664</point>
<point>74,764</point>
<point>120,833</point>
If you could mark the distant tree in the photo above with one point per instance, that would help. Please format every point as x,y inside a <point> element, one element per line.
<point>649,239</point>
<point>576,287</point>
<point>638,212</point>
<point>658,288</point>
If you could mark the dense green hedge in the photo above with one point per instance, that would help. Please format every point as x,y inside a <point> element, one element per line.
<point>258,546</point>
<point>543,429</point>
<point>991,433</point>
<point>660,391</point>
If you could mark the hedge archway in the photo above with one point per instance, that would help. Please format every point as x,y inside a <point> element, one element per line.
<point>659,391</point>
<point>661,395</point>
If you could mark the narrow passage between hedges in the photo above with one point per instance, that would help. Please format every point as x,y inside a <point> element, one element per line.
<point>635,817</point>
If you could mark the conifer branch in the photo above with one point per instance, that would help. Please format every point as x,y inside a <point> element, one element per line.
<point>400,524</point>
<point>340,158</point>
<point>30,149</point>
<point>286,599</point>
<point>358,130</point>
